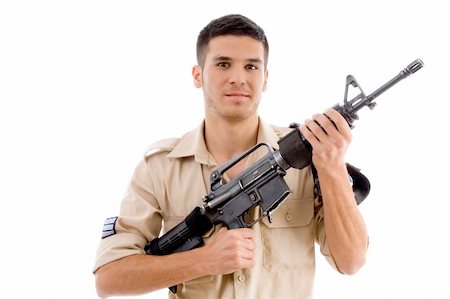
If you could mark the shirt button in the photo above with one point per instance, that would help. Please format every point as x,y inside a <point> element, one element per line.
<point>241,278</point>
<point>288,217</point>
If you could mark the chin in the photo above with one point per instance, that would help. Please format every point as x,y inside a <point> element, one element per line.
<point>239,116</point>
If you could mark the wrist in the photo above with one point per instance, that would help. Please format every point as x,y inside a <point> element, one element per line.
<point>331,169</point>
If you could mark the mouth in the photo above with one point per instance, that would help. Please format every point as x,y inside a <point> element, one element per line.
<point>237,95</point>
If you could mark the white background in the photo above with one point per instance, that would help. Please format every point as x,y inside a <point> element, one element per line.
<point>86,86</point>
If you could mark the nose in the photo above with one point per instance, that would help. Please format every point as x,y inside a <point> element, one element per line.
<point>237,76</point>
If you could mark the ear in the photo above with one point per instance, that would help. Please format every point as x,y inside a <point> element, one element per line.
<point>266,76</point>
<point>197,76</point>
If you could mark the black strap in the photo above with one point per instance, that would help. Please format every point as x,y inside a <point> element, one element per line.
<point>360,183</point>
<point>317,192</point>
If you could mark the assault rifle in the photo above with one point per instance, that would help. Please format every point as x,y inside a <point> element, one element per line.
<point>262,184</point>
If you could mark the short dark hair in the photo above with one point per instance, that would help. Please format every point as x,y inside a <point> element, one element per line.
<point>233,24</point>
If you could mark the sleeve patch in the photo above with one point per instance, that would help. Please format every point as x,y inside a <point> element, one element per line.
<point>109,227</point>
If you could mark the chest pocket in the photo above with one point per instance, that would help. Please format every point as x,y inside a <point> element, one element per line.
<point>289,240</point>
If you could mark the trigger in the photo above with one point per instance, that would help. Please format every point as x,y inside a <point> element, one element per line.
<point>269,216</point>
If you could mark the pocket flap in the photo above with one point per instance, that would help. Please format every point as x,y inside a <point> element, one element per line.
<point>292,213</point>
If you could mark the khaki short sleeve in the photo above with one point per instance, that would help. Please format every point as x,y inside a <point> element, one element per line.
<point>139,220</point>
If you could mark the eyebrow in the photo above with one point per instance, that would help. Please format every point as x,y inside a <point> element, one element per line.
<point>226,58</point>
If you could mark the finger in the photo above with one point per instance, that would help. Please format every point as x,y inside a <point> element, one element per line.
<point>328,126</point>
<point>249,233</point>
<point>324,123</point>
<point>222,230</point>
<point>245,238</point>
<point>306,132</point>
<point>249,245</point>
<point>339,121</point>
<point>315,128</point>
<point>247,264</point>
<point>248,255</point>
<point>245,233</point>
<point>247,250</point>
<point>217,235</point>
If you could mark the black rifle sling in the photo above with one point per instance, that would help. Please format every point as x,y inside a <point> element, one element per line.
<point>360,183</point>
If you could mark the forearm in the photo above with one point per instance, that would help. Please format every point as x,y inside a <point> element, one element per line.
<point>226,252</point>
<point>139,274</point>
<point>344,226</point>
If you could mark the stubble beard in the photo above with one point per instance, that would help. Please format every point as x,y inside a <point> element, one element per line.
<point>238,111</point>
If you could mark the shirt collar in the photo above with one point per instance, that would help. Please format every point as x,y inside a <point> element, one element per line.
<point>193,143</point>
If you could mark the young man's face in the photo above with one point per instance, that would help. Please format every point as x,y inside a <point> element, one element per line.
<point>233,77</point>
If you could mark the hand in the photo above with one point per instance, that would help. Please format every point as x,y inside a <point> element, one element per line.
<point>329,136</point>
<point>230,250</point>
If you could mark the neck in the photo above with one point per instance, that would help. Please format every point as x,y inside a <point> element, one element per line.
<point>226,139</point>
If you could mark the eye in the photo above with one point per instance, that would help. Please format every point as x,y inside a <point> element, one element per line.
<point>251,67</point>
<point>223,64</point>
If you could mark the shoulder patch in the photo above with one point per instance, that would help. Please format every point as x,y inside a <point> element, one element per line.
<point>165,145</point>
<point>109,227</point>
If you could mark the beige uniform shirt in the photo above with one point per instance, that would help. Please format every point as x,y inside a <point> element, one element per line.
<point>171,181</point>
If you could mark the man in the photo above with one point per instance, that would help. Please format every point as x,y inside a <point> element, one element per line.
<point>270,260</point>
